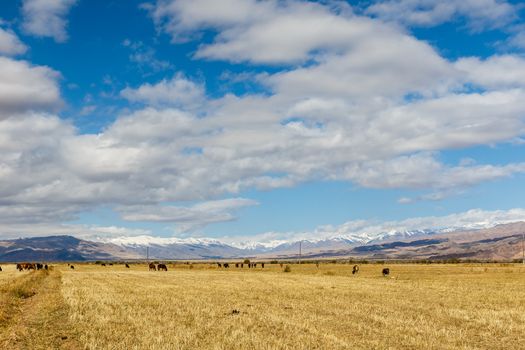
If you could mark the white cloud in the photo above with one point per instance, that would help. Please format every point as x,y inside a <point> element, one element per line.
<point>178,91</point>
<point>25,87</point>
<point>187,218</point>
<point>495,72</point>
<point>364,231</point>
<point>373,106</point>
<point>10,45</point>
<point>480,14</point>
<point>46,18</point>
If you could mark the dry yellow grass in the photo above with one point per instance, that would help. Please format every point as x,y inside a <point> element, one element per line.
<point>417,307</point>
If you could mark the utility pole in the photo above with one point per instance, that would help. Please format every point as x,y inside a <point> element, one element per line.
<point>300,250</point>
<point>523,247</point>
<point>147,254</point>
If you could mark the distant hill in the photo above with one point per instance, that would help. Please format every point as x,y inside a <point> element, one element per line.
<point>501,242</point>
<point>60,248</point>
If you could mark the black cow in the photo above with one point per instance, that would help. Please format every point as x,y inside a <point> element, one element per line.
<point>0,268</point>
<point>386,271</point>
<point>127,266</point>
<point>46,267</point>
<point>226,265</point>
<point>262,265</point>
<point>152,267</point>
<point>355,269</point>
<point>103,264</point>
<point>219,264</point>
<point>72,267</point>
<point>162,267</point>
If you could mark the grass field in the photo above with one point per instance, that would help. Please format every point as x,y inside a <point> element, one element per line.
<point>204,307</point>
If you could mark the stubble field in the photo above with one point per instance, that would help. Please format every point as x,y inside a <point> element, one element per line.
<point>204,307</point>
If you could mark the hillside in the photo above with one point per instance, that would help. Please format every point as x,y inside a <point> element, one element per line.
<point>501,242</point>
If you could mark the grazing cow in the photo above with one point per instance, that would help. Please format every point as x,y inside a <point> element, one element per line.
<point>219,264</point>
<point>355,269</point>
<point>226,265</point>
<point>72,267</point>
<point>110,264</point>
<point>262,265</point>
<point>127,266</point>
<point>19,267</point>
<point>386,271</point>
<point>103,264</point>
<point>39,266</point>
<point>162,267</point>
<point>152,267</point>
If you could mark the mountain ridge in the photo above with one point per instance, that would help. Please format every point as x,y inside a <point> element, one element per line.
<point>497,242</point>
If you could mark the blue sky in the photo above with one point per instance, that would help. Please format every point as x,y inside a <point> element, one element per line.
<point>259,120</point>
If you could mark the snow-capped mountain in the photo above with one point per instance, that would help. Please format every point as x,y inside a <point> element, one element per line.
<point>422,243</point>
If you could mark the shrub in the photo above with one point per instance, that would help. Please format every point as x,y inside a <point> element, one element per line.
<point>246,261</point>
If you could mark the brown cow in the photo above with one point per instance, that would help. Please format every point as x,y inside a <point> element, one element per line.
<point>355,269</point>
<point>152,267</point>
<point>19,267</point>
<point>162,267</point>
<point>386,271</point>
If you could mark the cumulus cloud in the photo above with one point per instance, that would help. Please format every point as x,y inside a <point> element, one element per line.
<point>370,105</point>
<point>46,18</point>
<point>177,91</point>
<point>481,15</point>
<point>188,218</point>
<point>10,44</point>
<point>364,231</point>
<point>26,87</point>
<point>495,72</point>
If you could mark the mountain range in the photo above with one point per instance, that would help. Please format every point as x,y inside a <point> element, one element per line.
<point>500,242</point>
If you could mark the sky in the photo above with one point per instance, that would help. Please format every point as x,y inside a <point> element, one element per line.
<point>259,120</point>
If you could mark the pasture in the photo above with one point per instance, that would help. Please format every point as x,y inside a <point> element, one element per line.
<point>201,306</point>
